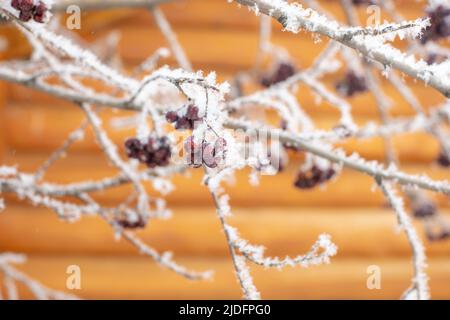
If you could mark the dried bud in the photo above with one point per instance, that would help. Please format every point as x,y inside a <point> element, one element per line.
<point>443,160</point>
<point>314,177</point>
<point>440,24</point>
<point>424,209</point>
<point>283,71</point>
<point>351,84</point>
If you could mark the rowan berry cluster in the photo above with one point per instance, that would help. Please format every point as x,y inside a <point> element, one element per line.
<point>156,152</point>
<point>186,120</point>
<point>126,224</point>
<point>283,71</point>
<point>314,177</point>
<point>366,2</point>
<point>424,209</point>
<point>30,9</point>
<point>440,24</point>
<point>443,160</point>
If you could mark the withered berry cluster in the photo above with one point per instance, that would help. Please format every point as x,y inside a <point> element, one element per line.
<point>314,177</point>
<point>186,121</point>
<point>440,24</point>
<point>30,9</point>
<point>366,2</point>
<point>155,153</point>
<point>443,160</point>
<point>427,210</point>
<point>424,209</point>
<point>435,58</point>
<point>126,224</point>
<point>205,152</point>
<point>351,84</point>
<point>283,71</point>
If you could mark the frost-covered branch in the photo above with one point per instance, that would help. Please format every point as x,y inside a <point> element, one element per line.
<point>420,288</point>
<point>13,276</point>
<point>295,18</point>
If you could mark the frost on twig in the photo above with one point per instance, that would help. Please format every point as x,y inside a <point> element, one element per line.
<point>420,279</point>
<point>12,276</point>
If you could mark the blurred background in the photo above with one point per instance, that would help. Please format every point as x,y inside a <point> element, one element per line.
<point>221,37</point>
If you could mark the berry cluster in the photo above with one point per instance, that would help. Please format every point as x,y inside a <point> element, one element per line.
<point>351,84</point>
<point>444,234</point>
<point>443,160</point>
<point>440,24</point>
<point>366,2</point>
<point>186,121</point>
<point>435,58</point>
<point>283,71</point>
<point>313,177</point>
<point>424,209</point>
<point>205,153</point>
<point>155,153</point>
<point>126,224</point>
<point>28,9</point>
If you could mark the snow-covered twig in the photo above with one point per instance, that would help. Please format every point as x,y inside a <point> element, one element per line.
<point>420,279</point>
<point>13,276</point>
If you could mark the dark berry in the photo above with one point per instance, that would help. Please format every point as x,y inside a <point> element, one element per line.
<point>183,123</point>
<point>313,177</point>
<point>351,84</point>
<point>439,236</point>
<point>192,113</point>
<point>28,9</point>
<point>186,121</point>
<point>443,160</point>
<point>25,16</point>
<point>172,117</point>
<point>283,71</point>
<point>39,12</point>
<point>424,209</point>
<point>133,148</point>
<point>305,181</point>
<point>365,2</point>
<point>435,58</point>
<point>155,153</point>
<point>440,24</point>
<point>124,223</point>
<point>23,5</point>
<point>16,4</point>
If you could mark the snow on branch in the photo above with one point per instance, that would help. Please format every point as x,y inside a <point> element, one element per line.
<point>293,18</point>
<point>419,288</point>
<point>13,276</point>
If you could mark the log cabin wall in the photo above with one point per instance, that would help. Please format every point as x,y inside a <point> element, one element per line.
<point>221,37</point>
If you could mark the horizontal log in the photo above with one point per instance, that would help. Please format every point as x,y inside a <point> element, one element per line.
<point>282,231</point>
<point>139,278</point>
<point>350,189</point>
<point>45,128</point>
